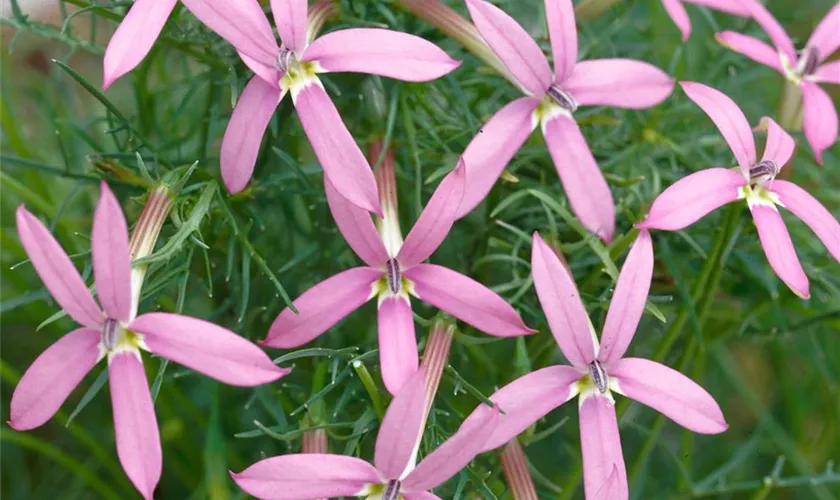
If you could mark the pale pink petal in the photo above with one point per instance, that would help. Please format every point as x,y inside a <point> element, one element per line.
<point>751,47</point>
<point>600,446</point>
<point>301,476</point>
<point>290,19</point>
<point>466,299</point>
<point>826,36</point>
<point>398,356</point>
<point>56,270</point>
<point>562,31</point>
<point>669,392</point>
<point>401,429</point>
<point>322,306</point>
<point>111,260</point>
<point>134,37</point>
<point>436,219</point>
<point>780,144</point>
<point>245,130</point>
<point>623,83</point>
<point>356,225</point>
<point>779,249</point>
<point>380,52</point>
<point>692,197</point>
<point>52,377</point>
<point>135,424</point>
<point>419,495</point>
<point>828,72</point>
<point>676,11</point>
<point>584,184</point>
<point>737,8</point>
<point>611,490</point>
<point>628,301</point>
<point>513,45</point>
<point>270,74</point>
<point>562,306</point>
<point>820,118</point>
<point>728,118</point>
<point>772,27</point>
<point>339,155</point>
<point>242,23</point>
<point>493,147</point>
<point>812,213</point>
<point>455,453</point>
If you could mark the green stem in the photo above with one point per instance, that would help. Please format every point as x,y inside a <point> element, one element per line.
<point>370,387</point>
<point>790,108</point>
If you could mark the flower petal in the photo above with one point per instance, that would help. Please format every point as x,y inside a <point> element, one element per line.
<point>562,306</point>
<point>828,73</point>
<point>322,306</point>
<point>692,197</point>
<point>751,47</point>
<point>669,392</point>
<point>52,377</point>
<point>780,144</point>
<point>628,301</point>
<point>357,227</point>
<point>466,299</point>
<point>56,270</point>
<point>492,148</point>
<point>436,219</point>
<point>812,213</point>
<point>779,248</point>
<point>826,36</point>
<point>419,495</point>
<point>242,23</point>
<point>380,52</point>
<point>290,19</point>
<point>562,31</point>
<point>135,424</point>
<point>623,83</point>
<point>773,29</point>
<point>311,475</point>
<point>600,446</point>
<point>339,155</point>
<point>398,356</point>
<point>728,118</point>
<point>735,8</point>
<point>584,184</point>
<point>401,429</point>
<point>676,11</point>
<point>513,45</point>
<point>820,118</point>
<point>134,37</point>
<point>612,488</point>
<point>111,260</point>
<point>245,130</point>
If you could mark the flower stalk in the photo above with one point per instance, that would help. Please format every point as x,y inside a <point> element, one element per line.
<point>145,236</point>
<point>319,13</point>
<point>518,477</point>
<point>435,357</point>
<point>790,108</point>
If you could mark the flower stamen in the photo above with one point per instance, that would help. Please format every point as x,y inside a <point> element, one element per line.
<point>284,59</point>
<point>599,376</point>
<point>392,275</point>
<point>392,490</point>
<point>562,98</point>
<point>110,329</point>
<point>763,171</point>
<point>808,61</point>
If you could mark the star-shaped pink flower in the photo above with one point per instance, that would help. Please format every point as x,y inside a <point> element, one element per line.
<point>695,195</point>
<point>677,12</point>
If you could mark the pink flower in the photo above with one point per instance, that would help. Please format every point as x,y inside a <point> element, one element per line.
<point>294,67</point>
<point>394,271</point>
<point>392,475</point>
<point>117,334</point>
<point>551,101</point>
<point>678,14</point>
<point>598,370</point>
<point>696,195</point>
<point>805,69</point>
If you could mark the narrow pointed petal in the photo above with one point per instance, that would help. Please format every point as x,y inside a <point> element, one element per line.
<point>812,213</point>
<point>780,144</point>
<point>669,392</point>
<point>134,37</point>
<point>135,424</point>
<point>380,52</point>
<point>322,306</point>
<point>826,36</point>
<point>356,225</point>
<point>562,31</point>
<point>311,475</point>
<point>623,83</point>
<point>111,260</point>
<point>269,74</point>
<point>820,119</point>
<point>676,11</point>
<point>492,148</point>
<point>735,8</point>
<point>728,118</point>
<point>290,19</point>
<point>751,47</point>
<point>773,29</point>
<point>514,46</point>
<point>455,453</point>
<point>419,495</point>
<point>401,429</point>
<point>56,270</point>
<point>628,301</point>
<point>828,73</point>
<point>526,400</point>
<point>245,130</point>
<point>339,155</point>
<point>398,356</point>
<point>242,24</point>
<point>692,197</point>
<point>612,488</point>
<point>584,184</point>
<point>466,299</point>
<point>779,249</point>
<point>600,446</point>
<point>52,377</point>
<point>436,219</point>
<point>562,306</point>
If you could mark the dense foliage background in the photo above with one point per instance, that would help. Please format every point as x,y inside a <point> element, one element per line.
<point>771,359</point>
